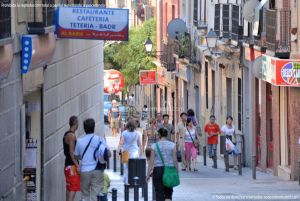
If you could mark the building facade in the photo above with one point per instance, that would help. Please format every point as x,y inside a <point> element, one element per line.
<point>64,78</point>
<point>274,128</point>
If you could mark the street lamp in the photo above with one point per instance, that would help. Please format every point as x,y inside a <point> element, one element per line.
<point>148,45</point>
<point>211,39</point>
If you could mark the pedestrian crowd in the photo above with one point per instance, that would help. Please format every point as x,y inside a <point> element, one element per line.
<point>159,142</point>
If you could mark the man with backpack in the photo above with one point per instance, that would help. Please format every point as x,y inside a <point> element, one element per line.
<point>92,150</point>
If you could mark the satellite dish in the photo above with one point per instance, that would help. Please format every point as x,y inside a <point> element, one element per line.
<point>257,67</point>
<point>249,10</point>
<point>176,27</point>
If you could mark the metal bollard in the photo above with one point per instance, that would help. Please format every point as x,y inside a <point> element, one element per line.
<point>146,192</point>
<point>153,192</point>
<point>226,158</point>
<point>215,161</point>
<point>115,160</point>
<point>253,167</point>
<point>99,197</point>
<point>121,166</point>
<point>240,163</point>
<point>136,188</point>
<point>204,155</point>
<point>126,192</point>
<point>114,194</point>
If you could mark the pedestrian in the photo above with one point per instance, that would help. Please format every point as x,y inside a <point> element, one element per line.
<point>212,130</point>
<point>131,100</point>
<point>144,112</point>
<point>159,119</point>
<point>91,176</point>
<point>151,136</point>
<point>106,185</point>
<point>131,142</point>
<point>169,127</point>
<point>180,130</point>
<point>72,167</point>
<point>191,114</point>
<point>229,131</point>
<point>115,118</point>
<point>191,144</point>
<point>167,150</point>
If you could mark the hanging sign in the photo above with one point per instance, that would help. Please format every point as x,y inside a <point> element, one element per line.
<point>147,77</point>
<point>92,23</point>
<point>281,72</point>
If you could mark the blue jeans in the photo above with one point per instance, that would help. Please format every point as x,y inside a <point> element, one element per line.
<point>212,150</point>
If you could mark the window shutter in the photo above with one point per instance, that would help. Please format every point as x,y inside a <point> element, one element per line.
<point>226,21</point>
<point>217,19</point>
<point>235,22</point>
<point>195,12</point>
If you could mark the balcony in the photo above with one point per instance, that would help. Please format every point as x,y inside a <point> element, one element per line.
<point>279,43</point>
<point>41,18</point>
<point>182,46</point>
<point>166,57</point>
<point>202,25</point>
<point>5,23</point>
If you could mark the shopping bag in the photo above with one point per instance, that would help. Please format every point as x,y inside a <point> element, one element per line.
<point>229,145</point>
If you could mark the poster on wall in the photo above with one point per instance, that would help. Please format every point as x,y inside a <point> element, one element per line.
<point>148,77</point>
<point>281,72</point>
<point>95,23</point>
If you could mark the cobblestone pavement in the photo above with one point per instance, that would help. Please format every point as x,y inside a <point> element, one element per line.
<point>215,184</point>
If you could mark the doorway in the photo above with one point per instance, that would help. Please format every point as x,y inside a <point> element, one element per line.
<point>269,126</point>
<point>33,156</point>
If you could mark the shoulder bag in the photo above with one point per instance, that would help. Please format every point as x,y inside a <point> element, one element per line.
<point>125,153</point>
<point>170,176</point>
<point>87,146</point>
<point>195,144</point>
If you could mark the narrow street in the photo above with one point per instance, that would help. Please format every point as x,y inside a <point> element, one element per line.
<point>215,184</point>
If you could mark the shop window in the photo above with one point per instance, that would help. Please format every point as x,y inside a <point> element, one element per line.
<point>41,19</point>
<point>5,19</point>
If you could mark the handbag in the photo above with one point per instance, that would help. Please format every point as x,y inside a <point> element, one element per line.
<point>125,153</point>
<point>170,176</point>
<point>195,144</point>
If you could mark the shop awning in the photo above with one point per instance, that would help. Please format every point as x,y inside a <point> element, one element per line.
<point>37,51</point>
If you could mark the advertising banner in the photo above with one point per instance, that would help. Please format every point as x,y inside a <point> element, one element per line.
<point>148,77</point>
<point>92,23</point>
<point>113,81</point>
<point>281,72</point>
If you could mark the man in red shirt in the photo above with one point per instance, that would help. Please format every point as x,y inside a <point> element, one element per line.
<point>212,130</point>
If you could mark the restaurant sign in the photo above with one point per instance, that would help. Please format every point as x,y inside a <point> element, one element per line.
<point>92,23</point>
<point>281,72</point>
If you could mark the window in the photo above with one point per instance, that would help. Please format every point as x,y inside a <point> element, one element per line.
<point>217,19</point>
<point>206,84</point>
<point>272,4</point>
<point>195,12</point>
<point>235,19</point>
<point>40,17</point>
<point>5,20</point>
<point>271,21</point>
<point>229,95</point>
<point>226,21</point>
<point>240,102</point>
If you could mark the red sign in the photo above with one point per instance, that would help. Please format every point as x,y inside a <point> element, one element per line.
<point>281,72</point>
<point>113,81</point>
<point>148,77</point>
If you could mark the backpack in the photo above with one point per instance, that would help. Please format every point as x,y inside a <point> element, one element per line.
<point>101,155</point>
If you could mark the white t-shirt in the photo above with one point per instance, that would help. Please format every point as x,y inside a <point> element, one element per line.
<point>228,131</point>
<point>133,137</point>
<point>87,162</point>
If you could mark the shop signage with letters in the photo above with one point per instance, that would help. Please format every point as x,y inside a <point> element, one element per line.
<point>148,77</point>
<point>92,23</point>
<point>281,72</point>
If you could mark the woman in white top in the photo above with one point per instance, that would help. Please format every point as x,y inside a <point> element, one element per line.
<point>229,131</point>
<point>191,142</point>
<point>131,141</point>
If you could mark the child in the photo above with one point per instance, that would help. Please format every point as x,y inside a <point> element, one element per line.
<point>106,185</point>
